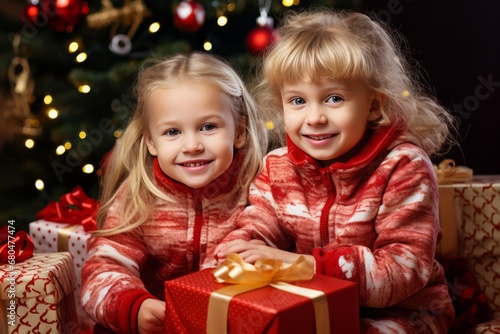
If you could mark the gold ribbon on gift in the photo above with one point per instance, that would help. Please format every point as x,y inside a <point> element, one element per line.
<point>447,173</point>
<point>63,237</point>
<point>246,277</point>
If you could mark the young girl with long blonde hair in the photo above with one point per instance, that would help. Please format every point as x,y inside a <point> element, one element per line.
<point>354,189</point>
<point>172,188</point>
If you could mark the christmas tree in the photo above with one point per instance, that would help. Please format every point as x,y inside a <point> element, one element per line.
<point>67,70</point>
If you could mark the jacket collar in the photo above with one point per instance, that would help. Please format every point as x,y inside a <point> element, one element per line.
<point>370,146</point>
<point>223,184</point>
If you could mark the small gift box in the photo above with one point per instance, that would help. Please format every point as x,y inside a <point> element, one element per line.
<point>240,298</point>
<point>36,295</point>
<point>65,226</point>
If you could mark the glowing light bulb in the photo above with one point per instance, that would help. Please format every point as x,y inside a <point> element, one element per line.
<point>207,46</point>
<point>154,27</point>
<point>73,47</point>
<point>84,89</point>
<point>53,113</point>
<point>39,184</point>
<point>81,57</point>
<point>88,168</point>
<point>60,150</point>
<point>29,143</point>
<point>222,21</point>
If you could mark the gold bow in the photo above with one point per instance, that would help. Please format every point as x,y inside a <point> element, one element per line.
<point>235,271</point>
<point>448,172</point>
<point>246,277</point>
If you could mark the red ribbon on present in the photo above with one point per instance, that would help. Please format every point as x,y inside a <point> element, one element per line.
<point>73,208</point>
<point>17,247</point>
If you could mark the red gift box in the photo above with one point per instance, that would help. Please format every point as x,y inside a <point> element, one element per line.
<point>263,310</point>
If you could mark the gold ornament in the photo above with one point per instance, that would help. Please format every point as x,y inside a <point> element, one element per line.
<point>17,118</point>
<point>129,16</point>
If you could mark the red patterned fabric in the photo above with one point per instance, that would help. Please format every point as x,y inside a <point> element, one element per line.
<point>382,227</point>
<point>160,249</point>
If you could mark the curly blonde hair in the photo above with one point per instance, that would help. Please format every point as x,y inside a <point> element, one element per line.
<point>129,170</point>
<point>324,43</point>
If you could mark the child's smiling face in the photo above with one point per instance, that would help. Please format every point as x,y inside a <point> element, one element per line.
<point>192,131</point>
<point>326,119</point>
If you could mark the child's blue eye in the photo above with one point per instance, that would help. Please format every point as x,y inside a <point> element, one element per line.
<point>297,101</point>
<point>334,99</point>
<point>172,132</point>
<point>208,127</point>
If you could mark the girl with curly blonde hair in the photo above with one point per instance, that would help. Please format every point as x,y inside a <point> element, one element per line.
<point>172,188</point>
<point>354,189</point>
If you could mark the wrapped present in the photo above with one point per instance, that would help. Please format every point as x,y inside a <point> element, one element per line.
<point>36,295</point>
<point>269,297</point>
<point>489,327</point>
<point>65,226</point>
<point>470,222</point>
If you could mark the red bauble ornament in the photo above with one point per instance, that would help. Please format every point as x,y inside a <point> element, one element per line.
<point>189,16</point>
<point>260,38</point>
<point>60,15</point>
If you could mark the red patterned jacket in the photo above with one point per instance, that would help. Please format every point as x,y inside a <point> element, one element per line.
<point>123,270</point>
<point>372,219</point>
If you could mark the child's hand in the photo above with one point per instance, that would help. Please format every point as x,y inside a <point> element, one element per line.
<point>254,250</point>
<point>151,318</point>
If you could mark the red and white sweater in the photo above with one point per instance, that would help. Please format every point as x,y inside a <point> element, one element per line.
<point>372,219</point>
<point>123,270</point>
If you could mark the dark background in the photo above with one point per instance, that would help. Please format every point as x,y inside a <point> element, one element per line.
<point>458,45</point>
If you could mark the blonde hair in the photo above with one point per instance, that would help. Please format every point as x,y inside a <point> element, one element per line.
<point>129,170</point>
<point>323,43</point>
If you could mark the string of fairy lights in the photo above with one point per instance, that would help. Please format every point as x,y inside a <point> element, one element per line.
<point>107,17</point>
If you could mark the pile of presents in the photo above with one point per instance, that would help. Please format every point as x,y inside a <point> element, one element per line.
<point>40,285</point>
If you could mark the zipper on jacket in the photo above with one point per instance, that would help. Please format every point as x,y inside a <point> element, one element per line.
<point>198,222</point>
<point>325,212</point>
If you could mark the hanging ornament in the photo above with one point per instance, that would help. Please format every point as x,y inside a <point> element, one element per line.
<point>189,16</point>
<point>60,15</point>
<point>17,118</point>
<point>130,16</point>
<point>259,38</point>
